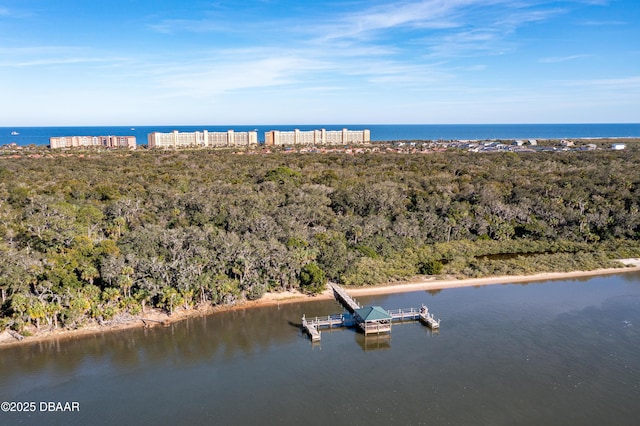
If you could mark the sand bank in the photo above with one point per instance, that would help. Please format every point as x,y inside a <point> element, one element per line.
<point>158,318</point>
<point>440,284</point>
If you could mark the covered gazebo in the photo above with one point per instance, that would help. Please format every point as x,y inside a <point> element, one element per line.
<point>373,319</point>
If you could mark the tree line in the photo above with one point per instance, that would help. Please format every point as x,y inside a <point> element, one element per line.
<point>96,236</point>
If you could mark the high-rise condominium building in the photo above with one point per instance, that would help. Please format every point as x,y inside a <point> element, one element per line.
<point>204,139</point>
<point>93,141</point>
<point>316,137</point>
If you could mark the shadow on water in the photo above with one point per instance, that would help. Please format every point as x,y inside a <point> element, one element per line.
<point>373,342</point>
<point>297,325</point>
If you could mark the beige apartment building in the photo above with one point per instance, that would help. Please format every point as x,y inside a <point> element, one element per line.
<point>93,141</point>
<point>204,139</point>
<point>316,137</point>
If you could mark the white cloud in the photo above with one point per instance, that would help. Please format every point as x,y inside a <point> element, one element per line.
<point>364,58</point>
<point>37,50</point>
<point>217,77</point>
<point>364,43</point>
<point>555,59</point>
<point>52,61</point>
<point>619,84</point>
<point>603,23</point>
<point>170,26</point>
<point>434,14</point>
<point>50,55</point>
<point>474,42</point>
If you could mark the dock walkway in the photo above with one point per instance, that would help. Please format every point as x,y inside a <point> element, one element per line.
<point>422,314</point>
<point>347,301</point>
<point>404,314</point>
<point>311,329</point>
<point>313,325</point>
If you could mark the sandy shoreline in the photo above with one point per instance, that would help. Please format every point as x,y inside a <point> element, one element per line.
<point>154,318</point>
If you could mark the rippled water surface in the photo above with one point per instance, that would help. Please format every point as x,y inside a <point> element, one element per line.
<point>557,352</point>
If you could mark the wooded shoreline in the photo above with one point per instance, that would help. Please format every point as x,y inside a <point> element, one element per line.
<point>157,318</point>
<point>110,238</point>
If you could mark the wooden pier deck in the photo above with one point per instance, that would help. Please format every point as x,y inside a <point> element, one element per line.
<point>404,314</point>
<point>380,322</point>
<point>313,325</point>
<point>421,314</point>
<point>311,329</point>
<point>429,319</point>
<point>347,301</point>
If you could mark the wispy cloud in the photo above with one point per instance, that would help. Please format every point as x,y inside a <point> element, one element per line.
<point>204,25</point>
<point>473,42</point>
<point>53,61</point>
<point>621,83</point>
<point>407,44</point>
<point>555,59</point>
<point>15,13</point>
<point>448,29</point>
<point>215,78</point>
<point>43,56</point>
<point>602,23</point>
<point>379,54</point>
<point>594,2</point>
<point>520,14</point>
<point>296,69</point>
<point>436,14</point>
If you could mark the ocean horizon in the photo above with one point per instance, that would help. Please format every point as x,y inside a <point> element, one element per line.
<point>379,132</point>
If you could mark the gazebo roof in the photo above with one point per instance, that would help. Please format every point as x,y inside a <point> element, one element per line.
<point>373,313</point>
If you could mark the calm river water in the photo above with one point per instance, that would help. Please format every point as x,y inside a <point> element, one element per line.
<point>555,353</point>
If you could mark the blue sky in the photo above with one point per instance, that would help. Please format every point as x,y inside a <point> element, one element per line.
<point>127,62</point>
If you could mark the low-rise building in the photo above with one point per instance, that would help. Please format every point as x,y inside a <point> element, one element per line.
<point>92,141</point>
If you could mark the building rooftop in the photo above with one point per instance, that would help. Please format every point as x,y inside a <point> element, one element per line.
<point>373,313</point>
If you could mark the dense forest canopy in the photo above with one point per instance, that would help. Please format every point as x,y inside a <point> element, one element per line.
<point>94,236</point>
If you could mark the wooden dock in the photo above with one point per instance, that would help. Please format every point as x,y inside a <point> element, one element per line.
<point>311,329</point>
<point>372,319</point>
<point>428,318</point>
<point>313,325</point>
<point>347,301</point>
<point>410,314</point>
<point>405,314</point>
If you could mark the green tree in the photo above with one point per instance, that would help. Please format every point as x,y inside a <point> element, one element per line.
<point>312,278</point>
<point>430,267</point>
<point>170,298</point>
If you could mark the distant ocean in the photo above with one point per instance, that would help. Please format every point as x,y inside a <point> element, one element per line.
<point>379,132</point>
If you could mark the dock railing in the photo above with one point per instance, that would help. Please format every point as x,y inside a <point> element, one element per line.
<point>402,314</point>
<point>325,321</point>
